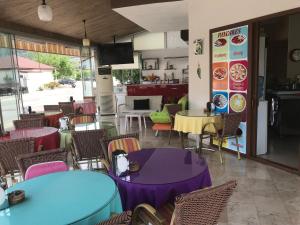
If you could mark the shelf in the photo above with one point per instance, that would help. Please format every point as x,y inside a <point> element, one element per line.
<point>177,57</point>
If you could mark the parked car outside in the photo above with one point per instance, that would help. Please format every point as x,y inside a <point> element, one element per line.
<point>67,81</point>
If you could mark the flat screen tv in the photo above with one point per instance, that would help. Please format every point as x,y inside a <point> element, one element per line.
<point>113,54</point>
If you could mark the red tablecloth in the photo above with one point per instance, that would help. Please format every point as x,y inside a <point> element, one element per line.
<point>89,107</point>
<point>46,136</point>
<point>52,118</point>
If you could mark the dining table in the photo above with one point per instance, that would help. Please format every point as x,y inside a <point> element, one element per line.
<point>88,106</point>
<point>193,121</point>
<point>163,174</point>
<point>52,118</point>
<point>46,136</point>
<point>72,197</point>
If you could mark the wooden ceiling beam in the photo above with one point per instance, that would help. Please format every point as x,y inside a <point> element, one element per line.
<point>120,4</point>
<point>18,29</point>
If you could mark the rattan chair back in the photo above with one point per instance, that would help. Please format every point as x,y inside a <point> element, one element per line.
<point>173,109</point>
<point>51,108</point>
<point>231,122</point>
<point>24,161</point>
<point>28,123</point>
<point>105,142</point>
<point>121,219</point>
<point>203,206</point>
<point>32,116</point>
<point>67,108</point>
<point>10,149</point>
<point>88,144</point>
<point>83,118</point>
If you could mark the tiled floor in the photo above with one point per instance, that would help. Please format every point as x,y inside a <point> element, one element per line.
<point>264,196</point>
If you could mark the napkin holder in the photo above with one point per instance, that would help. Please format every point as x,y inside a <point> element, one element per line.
<point>64,123</point>
<point>16,197</point>
<point>120,163</point>
<point>3,200</point>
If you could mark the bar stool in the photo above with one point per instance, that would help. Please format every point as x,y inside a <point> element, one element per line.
<point>135,115</point>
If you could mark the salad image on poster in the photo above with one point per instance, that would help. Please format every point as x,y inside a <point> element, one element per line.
<point>220,99</point>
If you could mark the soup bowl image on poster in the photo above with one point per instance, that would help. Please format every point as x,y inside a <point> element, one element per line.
<point>220,99</point>
<point>237,103</point>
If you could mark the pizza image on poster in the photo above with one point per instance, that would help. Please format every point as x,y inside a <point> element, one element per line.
<point>220,76</point>
<point>220,99</point>
<point>238,75</point>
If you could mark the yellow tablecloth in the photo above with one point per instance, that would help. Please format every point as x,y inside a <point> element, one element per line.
<point>194,124</point>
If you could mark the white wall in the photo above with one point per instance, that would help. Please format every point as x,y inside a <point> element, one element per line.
<point>37,79</point>
<point>208,14</point>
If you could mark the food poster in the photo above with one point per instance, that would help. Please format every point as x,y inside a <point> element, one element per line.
<point>220,99</point>
<point>230,76</point>
<point>220,76</point>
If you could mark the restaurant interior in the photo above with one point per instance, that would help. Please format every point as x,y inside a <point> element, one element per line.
<point>149,112</point>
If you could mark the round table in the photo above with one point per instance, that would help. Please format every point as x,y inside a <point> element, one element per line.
<point>46,136</point>
<point>164,173</point>
<point>73,197</point>
<point>52,118</point>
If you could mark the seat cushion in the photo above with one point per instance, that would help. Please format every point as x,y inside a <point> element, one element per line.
<point>45,168</point>
<point>160,117</point>
<point>162,126</point>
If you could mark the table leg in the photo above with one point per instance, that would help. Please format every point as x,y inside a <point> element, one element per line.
<point>145,125</point>
<point>130,121</point>
<point>181,139</point>
<point>140,122</point>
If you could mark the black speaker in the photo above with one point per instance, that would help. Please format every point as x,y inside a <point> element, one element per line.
<point>184,34</point>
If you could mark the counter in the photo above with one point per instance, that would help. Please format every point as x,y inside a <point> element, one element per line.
<point>170,92</point>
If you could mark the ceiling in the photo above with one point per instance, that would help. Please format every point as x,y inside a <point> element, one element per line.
<point>101,21</point>
<point>158,17</point>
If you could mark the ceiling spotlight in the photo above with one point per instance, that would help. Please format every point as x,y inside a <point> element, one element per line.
<point>45,12</point>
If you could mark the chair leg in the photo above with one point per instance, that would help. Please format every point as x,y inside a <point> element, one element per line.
<point>145,125</point>
<point>238,147</point>
<point>140,123</point>
<point>170,133</point>
<point>130,121</point>
<point>126,123</point>
<point>200,144</point>
<point>156,133</point>
<point>220,149</point>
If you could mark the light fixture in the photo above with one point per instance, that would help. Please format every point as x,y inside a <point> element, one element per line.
<point>45,12</point>
<point>85,40</point>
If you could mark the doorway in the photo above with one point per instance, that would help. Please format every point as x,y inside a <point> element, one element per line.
<point>278,91</point>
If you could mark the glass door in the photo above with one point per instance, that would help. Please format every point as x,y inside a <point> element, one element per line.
<point>87,71</point>
<point>10,88</point>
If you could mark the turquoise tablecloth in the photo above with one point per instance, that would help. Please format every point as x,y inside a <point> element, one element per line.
<point>73,197</point>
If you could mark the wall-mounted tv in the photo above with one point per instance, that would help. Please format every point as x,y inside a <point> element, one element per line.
<point>117,53</point>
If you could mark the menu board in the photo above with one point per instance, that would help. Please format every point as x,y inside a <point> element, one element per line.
<point>230,77</point>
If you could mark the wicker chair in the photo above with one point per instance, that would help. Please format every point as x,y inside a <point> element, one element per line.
<point>105,142</point>
<point>230,129</point>
<point>87,146</point>
<point>172,110</point>
<point>121,219</point>
<point>51,108</point>
<point>28,123</point>
<point>9,150</point>
<point>201,207</point>
<point>67,108</point>
<point>26,160</point>
<point>32,116</point>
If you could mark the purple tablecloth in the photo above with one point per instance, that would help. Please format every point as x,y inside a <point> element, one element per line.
<point>164,174</point>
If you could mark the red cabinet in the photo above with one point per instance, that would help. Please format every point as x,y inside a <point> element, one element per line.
<point>170,92</point>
